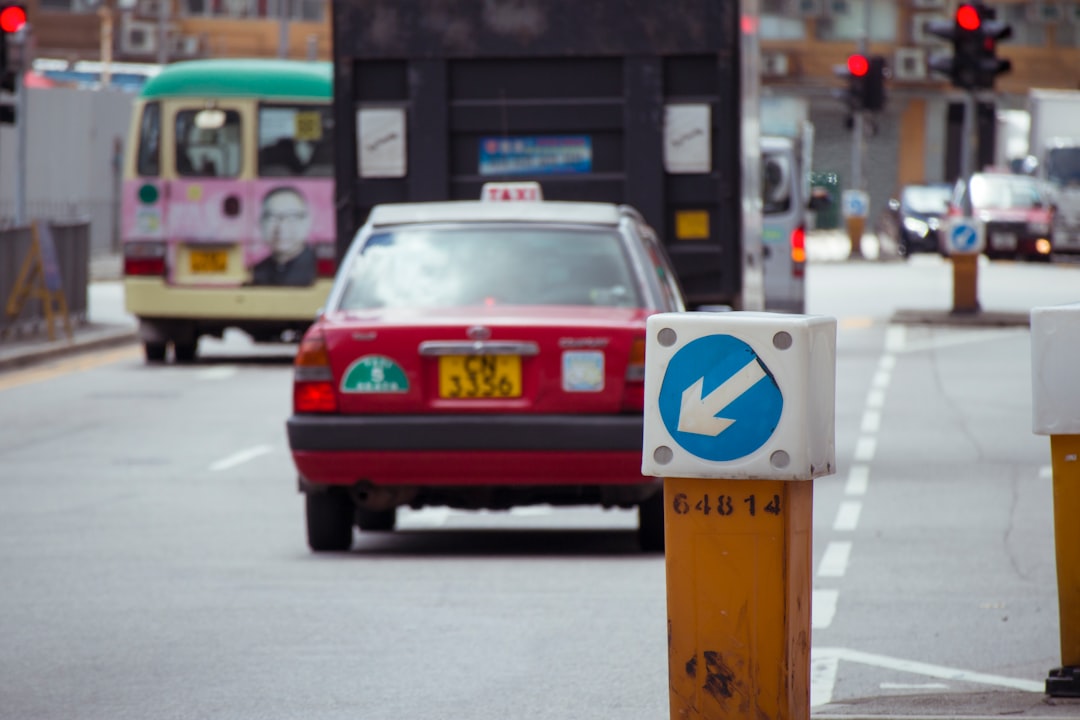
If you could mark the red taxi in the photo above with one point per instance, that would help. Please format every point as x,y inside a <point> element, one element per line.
<point>480,355</point>
<point>1015,210</point>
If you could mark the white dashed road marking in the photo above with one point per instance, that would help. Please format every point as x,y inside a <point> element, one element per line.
<point>241,457</point>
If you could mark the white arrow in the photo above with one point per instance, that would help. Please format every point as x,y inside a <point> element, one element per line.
<point>698,414</point>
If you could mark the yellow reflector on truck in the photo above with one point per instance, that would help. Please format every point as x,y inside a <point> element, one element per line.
<point>691,224</point>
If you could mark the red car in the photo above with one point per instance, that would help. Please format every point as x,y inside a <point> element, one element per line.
<point>1016,211</point>
<point>480,355</point>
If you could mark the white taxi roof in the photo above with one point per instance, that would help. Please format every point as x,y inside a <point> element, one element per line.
<point>478,211</point>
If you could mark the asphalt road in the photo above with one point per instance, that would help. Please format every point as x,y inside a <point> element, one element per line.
<point>153,560</point>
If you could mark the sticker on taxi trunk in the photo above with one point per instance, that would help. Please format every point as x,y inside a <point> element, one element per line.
<point>374,374</point>
<point>582,371</point>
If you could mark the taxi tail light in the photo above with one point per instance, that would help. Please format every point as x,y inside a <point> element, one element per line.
<point>144,258</point>
<point>798,252</point>
<point>326,260</point>
<point>313,382</point>
<point>634,392</point>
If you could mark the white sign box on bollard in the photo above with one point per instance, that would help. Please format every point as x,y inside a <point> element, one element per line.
<point>740,395</point>
<point>1055,347</point>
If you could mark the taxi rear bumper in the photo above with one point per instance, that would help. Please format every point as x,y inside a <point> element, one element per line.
<point>463,450</point>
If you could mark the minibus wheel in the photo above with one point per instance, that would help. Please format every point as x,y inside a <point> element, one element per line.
<point>155,351</point>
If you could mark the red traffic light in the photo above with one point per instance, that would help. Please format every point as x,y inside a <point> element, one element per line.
<point>967,17</point>
<point>858,65</point>
<point>12,18</point>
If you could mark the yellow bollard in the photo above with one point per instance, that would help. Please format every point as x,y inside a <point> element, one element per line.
<point>1065,458</point>
<point>1055,345</point>
<point>965,283</point>
<point>739,420</point>
<point>856,226</point>
<point>738,589</point>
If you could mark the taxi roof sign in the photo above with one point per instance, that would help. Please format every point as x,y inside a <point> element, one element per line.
<point>511,192</point>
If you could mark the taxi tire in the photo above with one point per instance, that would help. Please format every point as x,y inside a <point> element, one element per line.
<point>376,520</point>
<point>651,523</point>
<point>155,351</point>
<point>329,521</point>
<point>184,352</point>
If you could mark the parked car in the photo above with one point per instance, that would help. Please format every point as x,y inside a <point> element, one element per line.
<point>480,355</point>
<point>1016,211</point>
<point>913,219</point>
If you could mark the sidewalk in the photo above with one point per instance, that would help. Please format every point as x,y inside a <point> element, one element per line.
<point>106,324</point>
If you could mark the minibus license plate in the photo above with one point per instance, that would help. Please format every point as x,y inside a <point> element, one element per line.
<point>480,376</point>
<point>209,261</point>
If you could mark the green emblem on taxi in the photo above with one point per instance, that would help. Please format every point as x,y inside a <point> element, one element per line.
<point>374,374</point>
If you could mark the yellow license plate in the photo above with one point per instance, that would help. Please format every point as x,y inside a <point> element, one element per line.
<point>209,261</point>
<point>480,376</point>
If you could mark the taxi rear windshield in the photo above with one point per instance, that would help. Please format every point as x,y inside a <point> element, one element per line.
<point>453,267</point>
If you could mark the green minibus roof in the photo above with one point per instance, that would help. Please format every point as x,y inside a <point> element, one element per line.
<point>241,78</point>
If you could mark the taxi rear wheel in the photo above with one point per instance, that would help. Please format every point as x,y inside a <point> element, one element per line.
<point>329,521</point>
<point>651,523</point>
<point>185,352</point>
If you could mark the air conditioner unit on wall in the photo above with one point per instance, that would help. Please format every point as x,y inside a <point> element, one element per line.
<point>928,4</point>
<point>920,35</point>
<point>806,8</point>
<point>909,64</point>
<point>151,8</point>
<point>774,64</point>
<point>184,45</point>
<point>836,7</point>
<point>138,38</point>
<point>1045,12</point>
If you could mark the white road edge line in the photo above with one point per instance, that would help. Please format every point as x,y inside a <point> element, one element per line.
<point>241,457</point>
<point>865,448</point>
<point>926,669</point>
<point>857,480</point>
<point>835,560</point>
<point>822,680</point>
<point>847,516</point>
<point>871,421</point>
<point>823,608</point>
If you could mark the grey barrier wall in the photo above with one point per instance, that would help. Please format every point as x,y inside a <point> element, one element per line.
<point>75,140</point>
<point>72,242</point>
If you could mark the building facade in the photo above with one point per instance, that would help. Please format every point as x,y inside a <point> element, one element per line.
<point>157,31</point>
<point>916,138</point>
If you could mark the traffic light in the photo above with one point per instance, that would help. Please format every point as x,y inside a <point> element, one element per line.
<point>865,75</point>
<point>974,33</point>
<point>989,64</point>
<point>12,20</point>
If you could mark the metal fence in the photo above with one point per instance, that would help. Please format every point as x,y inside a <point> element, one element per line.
<point>72,242</point>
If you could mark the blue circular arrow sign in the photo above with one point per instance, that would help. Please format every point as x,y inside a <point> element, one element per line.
<point>718,400</point>
<point>963,237</point>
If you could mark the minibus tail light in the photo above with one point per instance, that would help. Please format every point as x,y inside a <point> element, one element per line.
<point>326,260</point>
<point>144,258</point>
<point>313,381</point>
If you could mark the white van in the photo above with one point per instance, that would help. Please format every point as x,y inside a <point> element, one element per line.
<point>785,194</point>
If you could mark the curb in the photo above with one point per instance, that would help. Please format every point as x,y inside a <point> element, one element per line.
<point>980,318</point>
<point>99,338</point>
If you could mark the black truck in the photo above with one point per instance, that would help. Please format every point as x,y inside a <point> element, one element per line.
<point>638,102</point>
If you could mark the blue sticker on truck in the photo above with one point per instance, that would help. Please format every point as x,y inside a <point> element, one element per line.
<point>541,155</point>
